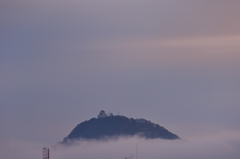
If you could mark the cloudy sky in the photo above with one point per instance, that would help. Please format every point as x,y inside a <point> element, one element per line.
<point>174,62</point>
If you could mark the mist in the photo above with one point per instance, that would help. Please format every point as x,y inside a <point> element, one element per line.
<point>175,63</point>
<point>218,146</point>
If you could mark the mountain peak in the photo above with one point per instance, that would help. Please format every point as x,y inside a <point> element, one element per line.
<point>118,126</point>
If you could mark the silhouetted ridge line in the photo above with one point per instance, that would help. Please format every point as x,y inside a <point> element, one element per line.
<point>110,126</point>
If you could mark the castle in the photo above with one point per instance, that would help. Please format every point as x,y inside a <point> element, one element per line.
<point>103,114</point>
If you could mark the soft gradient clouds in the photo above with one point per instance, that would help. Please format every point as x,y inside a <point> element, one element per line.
<point>175,63</point>
<point>220,146</point>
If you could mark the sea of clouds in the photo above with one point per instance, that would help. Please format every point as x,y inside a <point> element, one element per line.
<point>220,146</point>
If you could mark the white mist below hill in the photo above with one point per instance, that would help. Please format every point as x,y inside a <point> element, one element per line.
<point>221,146</point>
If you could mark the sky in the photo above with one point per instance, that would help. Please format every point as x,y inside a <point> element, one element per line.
<point>173,62</point>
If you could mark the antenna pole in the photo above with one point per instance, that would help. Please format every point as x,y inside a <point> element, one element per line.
<point>136,151</point>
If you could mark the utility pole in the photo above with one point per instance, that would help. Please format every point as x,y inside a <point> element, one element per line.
<point>136,151</point>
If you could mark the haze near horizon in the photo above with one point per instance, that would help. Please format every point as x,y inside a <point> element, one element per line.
<point>174,62</point>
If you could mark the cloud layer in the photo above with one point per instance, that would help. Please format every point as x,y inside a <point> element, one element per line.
<point>175,63</point>
<point>221,146</point>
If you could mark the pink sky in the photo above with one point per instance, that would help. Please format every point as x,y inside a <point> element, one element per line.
<point>175,63</point>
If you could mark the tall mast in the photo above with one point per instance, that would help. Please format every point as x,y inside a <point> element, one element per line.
<point>136,151</point>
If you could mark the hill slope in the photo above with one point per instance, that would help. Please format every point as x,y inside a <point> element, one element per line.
<point>115,126</point>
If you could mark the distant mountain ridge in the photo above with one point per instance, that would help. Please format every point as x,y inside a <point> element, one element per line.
<point>107,126</point>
